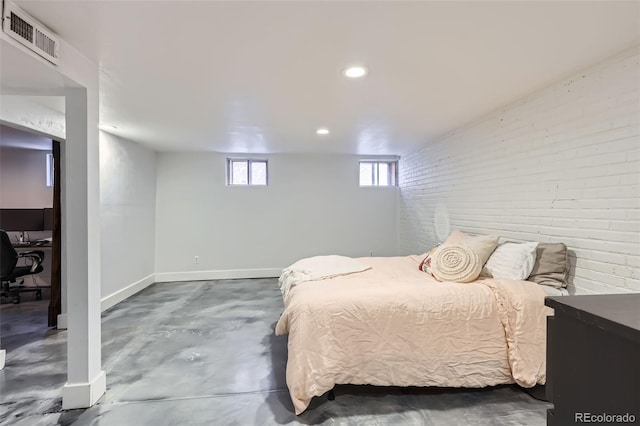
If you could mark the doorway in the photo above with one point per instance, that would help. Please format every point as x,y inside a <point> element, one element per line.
<point>30,182</point>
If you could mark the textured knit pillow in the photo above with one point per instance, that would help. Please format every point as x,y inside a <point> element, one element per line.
<point>511,261</point>
<point>455,263</point>
<point>552,265</point>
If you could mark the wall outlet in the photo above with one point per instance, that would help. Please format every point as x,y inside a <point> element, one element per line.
<point>196,259</point>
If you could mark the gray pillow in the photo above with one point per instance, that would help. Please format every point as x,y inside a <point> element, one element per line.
<point>552,265</point>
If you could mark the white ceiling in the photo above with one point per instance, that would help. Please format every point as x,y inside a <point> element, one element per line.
<point>262,76</point>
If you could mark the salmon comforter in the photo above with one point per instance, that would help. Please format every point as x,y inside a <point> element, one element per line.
<point>394,325</point>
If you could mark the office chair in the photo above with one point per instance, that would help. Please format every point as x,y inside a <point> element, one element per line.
<point>10,271</point>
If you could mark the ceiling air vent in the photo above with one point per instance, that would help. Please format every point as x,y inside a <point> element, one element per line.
<point>31,33</point>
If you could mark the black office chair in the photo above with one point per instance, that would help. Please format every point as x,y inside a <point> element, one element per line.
<point>10,271</point>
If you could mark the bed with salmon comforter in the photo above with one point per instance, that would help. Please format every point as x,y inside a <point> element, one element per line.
<point>382,321</point>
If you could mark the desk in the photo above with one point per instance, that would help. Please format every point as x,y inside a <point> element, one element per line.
<point>30,245</point>
<point>593,358</point>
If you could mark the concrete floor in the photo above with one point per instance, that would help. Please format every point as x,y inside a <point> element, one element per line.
<point>204,353</point>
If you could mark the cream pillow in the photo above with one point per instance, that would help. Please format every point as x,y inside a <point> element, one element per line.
<point>455,237</point>
<point>511,261</point>
<point>483,245</point>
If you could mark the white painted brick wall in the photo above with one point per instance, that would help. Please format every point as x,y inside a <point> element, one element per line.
<point>562,165</point>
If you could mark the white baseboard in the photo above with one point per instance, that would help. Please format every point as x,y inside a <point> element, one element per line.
<point>221,274</point>
<point>84,395</point>
<point>130,290</point>
<point>62,322</point>
<point>3,356</point>
<point>163,277</point>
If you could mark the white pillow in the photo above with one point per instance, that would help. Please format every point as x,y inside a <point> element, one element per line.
<point>511,261</point>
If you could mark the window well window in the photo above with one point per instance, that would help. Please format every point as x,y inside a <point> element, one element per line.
<point>50,170</point>
<point>378,173</point>
<point>246,172</point>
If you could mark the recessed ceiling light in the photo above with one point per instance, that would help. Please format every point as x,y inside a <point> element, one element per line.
<point>355,71</point>
<point>107,127</point>
<point>322,131</point>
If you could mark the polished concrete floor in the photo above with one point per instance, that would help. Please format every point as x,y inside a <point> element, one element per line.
<point>204,353</point>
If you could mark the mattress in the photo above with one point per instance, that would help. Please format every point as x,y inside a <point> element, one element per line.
<point>394,325</point>
<point>554,291</point>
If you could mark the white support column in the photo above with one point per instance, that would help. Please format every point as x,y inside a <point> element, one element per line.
<point>86,382</point>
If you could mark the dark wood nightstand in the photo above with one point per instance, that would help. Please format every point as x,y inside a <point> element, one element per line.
<point>593,359</point>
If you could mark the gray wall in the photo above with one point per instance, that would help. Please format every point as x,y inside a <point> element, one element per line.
<point>23,183</point>
<point>127,212</point>
<point>312,206</point>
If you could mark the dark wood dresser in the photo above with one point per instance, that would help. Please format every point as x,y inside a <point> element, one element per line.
<point>593,359</point>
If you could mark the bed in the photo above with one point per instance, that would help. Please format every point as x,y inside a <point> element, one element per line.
<point>390,324</point>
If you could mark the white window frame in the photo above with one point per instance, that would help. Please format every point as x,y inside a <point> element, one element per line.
<point>50,170</point>
<point>249,161</point>
<point>392,176</point>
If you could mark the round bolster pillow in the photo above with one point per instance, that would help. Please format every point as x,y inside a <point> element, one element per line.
<point>455,263</point>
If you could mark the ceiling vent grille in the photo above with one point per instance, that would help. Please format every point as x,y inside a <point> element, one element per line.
<point>23,28</point>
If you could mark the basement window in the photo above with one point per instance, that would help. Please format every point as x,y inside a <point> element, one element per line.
<point>50,170</point>
<point>378,173</point>
<point>245,172</point>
